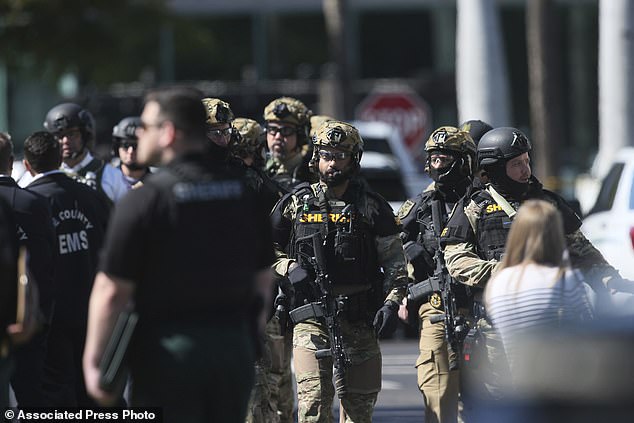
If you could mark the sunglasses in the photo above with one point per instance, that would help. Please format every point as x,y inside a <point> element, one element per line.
<point>284,130</point>
<point>333,155</point>
<point>70,134</point>
<point>217,133</point>
<point>127,144</point>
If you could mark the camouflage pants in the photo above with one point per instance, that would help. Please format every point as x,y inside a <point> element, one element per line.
<point>315,390</point>
<point>272,398</point>
<point>437,383</point>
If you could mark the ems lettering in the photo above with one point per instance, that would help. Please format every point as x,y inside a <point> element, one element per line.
<point>72,242</point>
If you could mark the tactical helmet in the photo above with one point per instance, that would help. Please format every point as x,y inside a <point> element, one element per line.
<point>218,111</point>
<point>70,115</point>
<point>247,140</point>
<point>501,144</point>
<point>449,138</point>
<point>126,129</point>
<point>291,111</point>
<point>476,128</point>
<point>339,135</point>
<point>316,121</point>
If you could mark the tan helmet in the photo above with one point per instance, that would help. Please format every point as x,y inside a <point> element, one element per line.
<point>248,138</point>
<point>316,121</point>
<point>288,110</point>
<point>450,138</point>
<point>218,111</point>
<point>339,135</point>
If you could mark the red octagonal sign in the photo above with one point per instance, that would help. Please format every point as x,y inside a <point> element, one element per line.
<point>404,110</point>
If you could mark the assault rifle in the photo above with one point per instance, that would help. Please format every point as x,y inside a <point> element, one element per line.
<point>456,326</point>
<point>327,307</point>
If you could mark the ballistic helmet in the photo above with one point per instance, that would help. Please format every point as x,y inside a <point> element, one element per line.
<point>247,138</point>
<point>70,115</point>
<point>293,112</point>
<point>501,144</point>
<point>218,111</point>
<point>476,128</point>
<point>316,121</point>
<point>339,135</point>
<point>126,129</point>
<point>453,140</point>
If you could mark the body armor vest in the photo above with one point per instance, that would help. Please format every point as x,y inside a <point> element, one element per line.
<point>348,249</point>
<point>493,227</point>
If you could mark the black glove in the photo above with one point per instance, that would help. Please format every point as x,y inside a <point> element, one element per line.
<point>302,290</point>
<point>386,319</point>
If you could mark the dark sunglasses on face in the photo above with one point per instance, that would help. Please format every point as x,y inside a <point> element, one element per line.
<point>333,155</point>
<point>70,133</point>
<point>284,130</point>
<point>127,144</point>
<point>217,133</point>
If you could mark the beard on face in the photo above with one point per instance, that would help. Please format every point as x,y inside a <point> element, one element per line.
<point>334,177</point>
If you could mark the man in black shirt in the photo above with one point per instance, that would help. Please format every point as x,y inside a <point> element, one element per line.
<point>35,231</point>
<point>8,295</point>
<point>188,247</point>
<point>80,216</point>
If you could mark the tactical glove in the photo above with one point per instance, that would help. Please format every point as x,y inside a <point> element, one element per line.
<point>386,319</point>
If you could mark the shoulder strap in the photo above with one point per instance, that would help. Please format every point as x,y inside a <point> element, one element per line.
<point>508,209</point>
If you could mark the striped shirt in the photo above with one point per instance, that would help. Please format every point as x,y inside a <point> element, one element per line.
<point>533,297</point>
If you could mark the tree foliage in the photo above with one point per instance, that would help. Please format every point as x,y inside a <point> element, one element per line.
<point>100,40</point>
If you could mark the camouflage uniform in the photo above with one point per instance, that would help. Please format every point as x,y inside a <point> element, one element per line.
<point>377,235</point>
<point>438,377</point>
<point>474,242</point>
<point>290,170</point>
<point>286,173</point>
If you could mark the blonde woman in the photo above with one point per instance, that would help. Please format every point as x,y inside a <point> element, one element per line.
<point>534,289</point>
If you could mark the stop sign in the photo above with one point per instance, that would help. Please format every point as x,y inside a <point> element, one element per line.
<point>404,110</point>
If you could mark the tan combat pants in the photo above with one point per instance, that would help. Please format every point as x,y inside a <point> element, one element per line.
<point>439,385</point>
<point>315,389</point>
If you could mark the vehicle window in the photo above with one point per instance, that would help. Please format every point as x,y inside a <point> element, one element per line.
<point>380,145</point>
<point>606,195</point>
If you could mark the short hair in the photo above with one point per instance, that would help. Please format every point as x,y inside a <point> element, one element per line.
<point>42,151</point>
<point>536,236</point>
<point>184,108</point>
<point>6,151</point>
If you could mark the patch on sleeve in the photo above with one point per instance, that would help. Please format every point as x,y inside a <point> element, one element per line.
<point>405,209</point>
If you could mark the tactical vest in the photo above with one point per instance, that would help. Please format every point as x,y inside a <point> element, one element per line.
<point>349,247</point>
<point>93,173</point>
<point>492,227</point>
<point>426,234</point>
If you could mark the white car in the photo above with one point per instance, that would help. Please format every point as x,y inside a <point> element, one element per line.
<point>609,225</point>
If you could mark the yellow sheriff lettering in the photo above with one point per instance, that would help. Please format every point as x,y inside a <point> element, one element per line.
<point>491,208</point>
<point>311,218</point>
<point>318,218</point>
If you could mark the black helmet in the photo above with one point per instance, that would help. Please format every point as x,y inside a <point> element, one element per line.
<point>126,129</point>
<point>501,144</point>
<point>70,115</point>
<point>476,128</point>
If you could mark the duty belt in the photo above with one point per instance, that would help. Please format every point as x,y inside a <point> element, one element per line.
<point>353,308</point>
